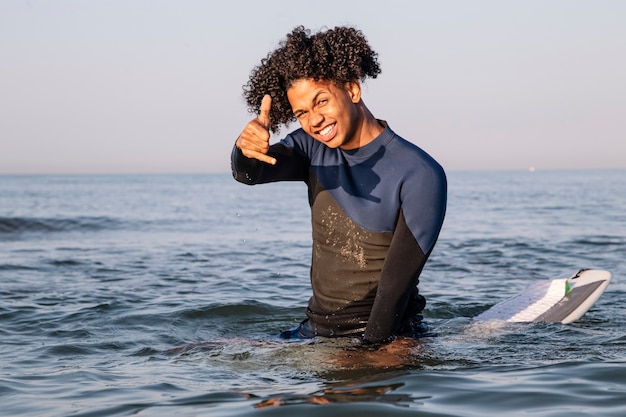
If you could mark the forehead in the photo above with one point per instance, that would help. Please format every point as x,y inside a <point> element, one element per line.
<point>304,91</point>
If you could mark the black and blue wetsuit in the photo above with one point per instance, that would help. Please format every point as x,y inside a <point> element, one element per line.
<point>376,213</point>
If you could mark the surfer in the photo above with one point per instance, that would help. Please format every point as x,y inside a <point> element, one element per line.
<point>377,201</point>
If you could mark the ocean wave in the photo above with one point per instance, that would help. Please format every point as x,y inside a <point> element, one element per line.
<point>17,225</point>
<point>600,240</point>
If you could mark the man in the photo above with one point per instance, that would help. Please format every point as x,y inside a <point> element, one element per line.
<point>377,201</point>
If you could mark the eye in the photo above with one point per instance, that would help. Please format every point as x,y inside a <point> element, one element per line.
<point>320,103</point>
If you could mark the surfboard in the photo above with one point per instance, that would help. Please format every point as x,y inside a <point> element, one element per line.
<point>560,300</point>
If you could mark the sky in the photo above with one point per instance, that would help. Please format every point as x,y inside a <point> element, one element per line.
<point>155,86</point>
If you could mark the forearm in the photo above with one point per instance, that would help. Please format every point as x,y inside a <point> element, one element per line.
<point>290,166</point>
<point>399,278</point>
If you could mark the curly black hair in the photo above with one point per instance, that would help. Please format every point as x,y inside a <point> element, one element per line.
<point>338,55</point>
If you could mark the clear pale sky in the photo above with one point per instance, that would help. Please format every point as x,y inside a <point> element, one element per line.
<point>126,86</point>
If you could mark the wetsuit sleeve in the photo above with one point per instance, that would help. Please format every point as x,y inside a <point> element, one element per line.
<point>417,228</point>
<point>291,165</point>
<point>398,281</point>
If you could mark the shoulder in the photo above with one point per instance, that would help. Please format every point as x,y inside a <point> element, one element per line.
<point>317,153</point>
<point>299,139</point>
<point>414,161</point>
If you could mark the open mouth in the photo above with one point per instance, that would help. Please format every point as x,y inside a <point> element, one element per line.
<point>327,132</point>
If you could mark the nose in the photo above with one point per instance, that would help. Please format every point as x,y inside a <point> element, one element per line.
<point>316,118</point>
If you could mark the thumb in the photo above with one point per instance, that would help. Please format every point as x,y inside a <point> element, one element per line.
<point>264,114</point>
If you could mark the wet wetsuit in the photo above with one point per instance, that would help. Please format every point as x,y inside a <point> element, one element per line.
<point>376,213</point>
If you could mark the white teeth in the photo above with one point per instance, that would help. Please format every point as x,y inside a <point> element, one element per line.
<point>326,130</point>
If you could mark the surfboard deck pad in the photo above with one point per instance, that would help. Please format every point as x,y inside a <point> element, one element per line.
<point>560,300</point>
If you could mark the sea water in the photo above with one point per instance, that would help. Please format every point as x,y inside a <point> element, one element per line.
<point>162,295</point>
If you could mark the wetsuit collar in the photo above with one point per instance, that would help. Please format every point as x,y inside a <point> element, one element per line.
<point>371,148</point>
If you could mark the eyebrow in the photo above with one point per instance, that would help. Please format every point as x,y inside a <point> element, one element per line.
<point>297,112</point>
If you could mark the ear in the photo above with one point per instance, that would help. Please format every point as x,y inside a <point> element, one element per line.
<point>353,89</point>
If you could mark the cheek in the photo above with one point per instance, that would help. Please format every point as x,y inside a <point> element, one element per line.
<point>306,127</point>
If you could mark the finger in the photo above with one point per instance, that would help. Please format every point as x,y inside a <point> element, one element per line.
<point>254,137</point>
<point>260,156</point>
<point>264,113</point>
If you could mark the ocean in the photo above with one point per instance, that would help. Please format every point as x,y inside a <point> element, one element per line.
<point>162,295</point>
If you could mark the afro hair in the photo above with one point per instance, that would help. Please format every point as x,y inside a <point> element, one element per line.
<point>339,55</point>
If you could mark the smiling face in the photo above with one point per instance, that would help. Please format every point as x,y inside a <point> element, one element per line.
<point>328,113</point>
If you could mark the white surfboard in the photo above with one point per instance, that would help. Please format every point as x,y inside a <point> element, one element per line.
<point>561,300</point>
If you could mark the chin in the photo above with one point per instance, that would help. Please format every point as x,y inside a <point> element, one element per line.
<point>335,142</point>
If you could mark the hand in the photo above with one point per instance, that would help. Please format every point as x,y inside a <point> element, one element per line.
<point>254,140</point>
